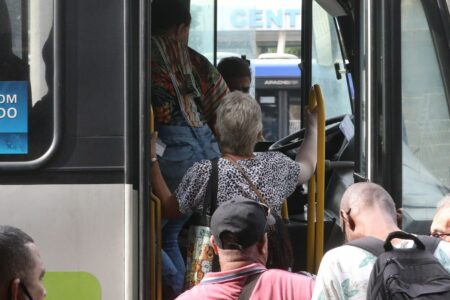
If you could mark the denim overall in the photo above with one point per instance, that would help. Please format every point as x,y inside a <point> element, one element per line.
<point>185,146</point>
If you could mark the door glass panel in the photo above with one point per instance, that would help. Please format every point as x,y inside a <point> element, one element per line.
<point>426,123</point>
<point>268,33</point>
<point>201,32</point>
<point>326,52</point>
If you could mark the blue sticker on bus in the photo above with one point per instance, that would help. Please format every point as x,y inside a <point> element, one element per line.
<point>13,117</point>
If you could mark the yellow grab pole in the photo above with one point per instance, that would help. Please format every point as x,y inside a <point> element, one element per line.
<point>285,211</point>
<point>310,240</point>
<point>152,252</point>
<point>158,247</point>
<point>155,237</point>
<point>311,237</point>
<point>320,174</point>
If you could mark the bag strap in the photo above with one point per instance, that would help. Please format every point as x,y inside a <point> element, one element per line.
<point>249,286</point>
<point>250,182</point>
<point>376,246</point>
<point>210,200</point>
<point>370,244</point>
<point>431,243</point>
<point>404,236</point>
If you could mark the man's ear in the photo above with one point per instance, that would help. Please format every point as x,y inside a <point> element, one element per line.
<point>14,289</point>
<point>213,244</point>
<point>342,217</point>
<point>351,222</point>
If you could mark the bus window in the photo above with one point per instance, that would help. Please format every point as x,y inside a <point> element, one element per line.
<point>256,27</point>
<point>426,122</point>
<point>26,79</point>
<point>326,52</point>
<point>268,33</point>
<point>277,89</point>
<point>201,32</point>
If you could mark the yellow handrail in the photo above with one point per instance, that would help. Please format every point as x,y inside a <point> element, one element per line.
<point>316,188</point>
<point>320,174</point>
<point>152,252</point>
<point>311,236</point>
<point>156,243</point>
<point>158,232</point>
<point>285,211</point>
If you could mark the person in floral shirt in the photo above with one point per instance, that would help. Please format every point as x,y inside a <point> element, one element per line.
<point>366,210</point>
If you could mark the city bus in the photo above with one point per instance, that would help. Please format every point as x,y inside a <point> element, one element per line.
<point>75,120</point>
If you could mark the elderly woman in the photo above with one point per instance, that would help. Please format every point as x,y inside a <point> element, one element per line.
<point>274,174</point>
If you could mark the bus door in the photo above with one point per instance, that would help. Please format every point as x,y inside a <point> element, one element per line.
<point>404,104</point>
<point>277,90</point>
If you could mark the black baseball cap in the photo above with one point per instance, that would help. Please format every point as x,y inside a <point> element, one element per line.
<point>245,219</point>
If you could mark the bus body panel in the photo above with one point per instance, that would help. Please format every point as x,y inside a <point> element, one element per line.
<point>79,228</point>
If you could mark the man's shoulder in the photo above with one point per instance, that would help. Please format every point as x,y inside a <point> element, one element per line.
<point>279,284</point>
<point>281,275</point>
<point>345,251</point>
<point>347,258</point>
<point>192,293</point>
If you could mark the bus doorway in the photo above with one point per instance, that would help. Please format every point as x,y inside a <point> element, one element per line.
<point>277,90</point>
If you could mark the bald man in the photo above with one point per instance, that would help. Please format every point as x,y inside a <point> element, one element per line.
<point>440,227</point>
<point>366,210</point>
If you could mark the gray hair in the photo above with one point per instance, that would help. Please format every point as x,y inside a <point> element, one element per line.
<point>15,257</point>
<point>238,123</point>
<point>445,202</point>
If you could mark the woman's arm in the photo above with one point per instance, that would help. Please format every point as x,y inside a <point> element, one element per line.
<point>170,209</point>
<point>307,153</point>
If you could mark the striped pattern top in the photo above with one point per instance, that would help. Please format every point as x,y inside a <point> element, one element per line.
<point>186,88</point>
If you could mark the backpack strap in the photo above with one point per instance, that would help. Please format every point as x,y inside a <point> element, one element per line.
<point>370,244</point>
<point>249,286</point>
<point>431,243</point>
<point>376,246</point>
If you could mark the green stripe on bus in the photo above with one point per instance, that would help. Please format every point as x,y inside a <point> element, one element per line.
<point>72,286</point>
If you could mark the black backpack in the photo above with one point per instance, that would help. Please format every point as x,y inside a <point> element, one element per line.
<point>399,273</point>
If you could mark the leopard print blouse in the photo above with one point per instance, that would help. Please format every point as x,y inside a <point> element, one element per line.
<point>275,175</point>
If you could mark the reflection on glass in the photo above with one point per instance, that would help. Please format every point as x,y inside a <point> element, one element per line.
<point>426,123</point>
<point>201,33</point>
<point>326,52</point>
<point>269,34</point>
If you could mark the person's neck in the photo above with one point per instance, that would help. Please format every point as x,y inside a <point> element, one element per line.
<point>233,262</point>
<point>229,266</point>
<point>380,230</point>
<point>237,156</point>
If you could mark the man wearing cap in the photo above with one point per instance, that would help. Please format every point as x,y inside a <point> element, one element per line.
<point>239,238</point>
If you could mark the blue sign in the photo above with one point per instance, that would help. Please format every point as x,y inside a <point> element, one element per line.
<point>13,117</point>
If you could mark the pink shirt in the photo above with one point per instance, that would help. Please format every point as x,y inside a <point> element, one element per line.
<point>272,284</point>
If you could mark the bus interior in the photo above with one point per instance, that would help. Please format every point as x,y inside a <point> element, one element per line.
<point>75,163</point>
